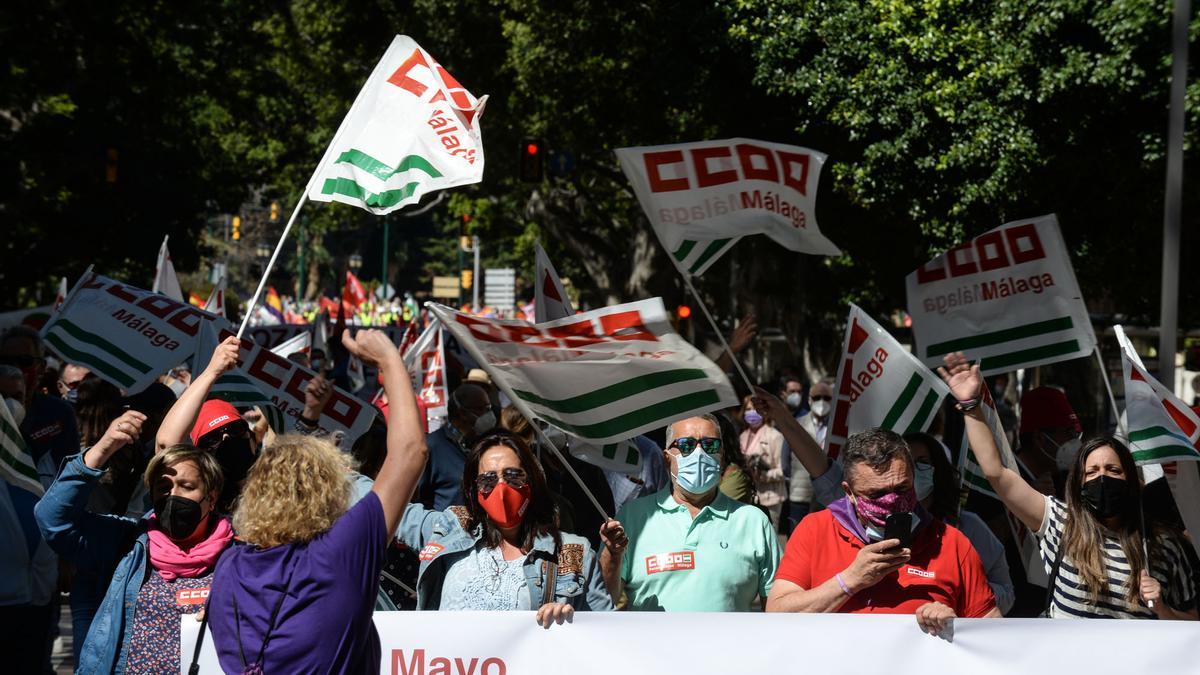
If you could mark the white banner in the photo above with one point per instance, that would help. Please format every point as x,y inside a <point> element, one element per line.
<point>426,365</point>
<point>880,384</point>
<point>1007,298</point>
<point>611,643</point>
<point>412,129</point>
<point>702,197</point>
<point>604,376</point>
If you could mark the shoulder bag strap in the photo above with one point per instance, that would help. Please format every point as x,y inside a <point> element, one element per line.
<point>1058,558</point>
<point>195,667</point>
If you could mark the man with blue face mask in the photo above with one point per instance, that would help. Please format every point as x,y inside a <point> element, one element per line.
<point>689,548</point>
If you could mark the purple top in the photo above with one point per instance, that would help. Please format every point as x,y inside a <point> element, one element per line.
<point>324,624</point>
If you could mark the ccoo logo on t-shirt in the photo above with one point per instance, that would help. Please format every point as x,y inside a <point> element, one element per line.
<point>670,562</point>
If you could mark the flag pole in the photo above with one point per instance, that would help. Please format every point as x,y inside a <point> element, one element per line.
<point>262,283</point>
<point>1112,400</point>
<point>541,435</point>
<point>687,280</point>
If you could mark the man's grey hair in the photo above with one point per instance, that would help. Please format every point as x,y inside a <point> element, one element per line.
<point>706,416</point>
<point>876,448</point>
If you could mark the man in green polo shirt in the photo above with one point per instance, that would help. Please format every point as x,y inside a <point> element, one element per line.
<point>690,548</point>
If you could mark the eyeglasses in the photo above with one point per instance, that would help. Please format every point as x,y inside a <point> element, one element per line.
<point>212,439</point>
<point>687,445</point>
<point>486,482</point>
<point>821,398</point>
<point>69,385</point>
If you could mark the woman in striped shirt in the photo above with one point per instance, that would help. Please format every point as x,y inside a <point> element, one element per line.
<point>1093,544</point>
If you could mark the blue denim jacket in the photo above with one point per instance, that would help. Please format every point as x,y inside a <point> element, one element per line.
<point>441,540</point>
<point>95,541</point>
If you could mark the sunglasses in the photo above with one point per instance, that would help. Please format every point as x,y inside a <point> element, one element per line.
<point>70,385</point>
<point>821,398</point>
<point>21,361</point>
<point>486,482</point>
<point>212,439</point>
<point>687,445</point>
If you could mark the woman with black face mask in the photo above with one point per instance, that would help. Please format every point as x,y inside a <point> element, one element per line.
<point>166,558</point>
<point>1094,544</point>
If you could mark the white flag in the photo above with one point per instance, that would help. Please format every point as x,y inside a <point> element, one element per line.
<point>604,376</point>
<point>550,299</point>
<point>702,197</point>
<point>623,457</point>
<point>62,294</point>
<point>301,343</point>
<point>412,129</point>
<point>880,384</point>
<point>165,281</point>
<point>216,300</point>
<point>1161,428</point>
<point>425,361</point>
<point>16,463</point>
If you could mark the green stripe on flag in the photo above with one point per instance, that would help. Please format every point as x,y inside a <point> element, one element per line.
<point>97,341</point>
<point>684,249</point>
<point>997,337</point>
<point>20,467</point>
<point>1166,451</point>
<point>378,169</point>
<point>978,482</point>
<point>1026,355</point>
<point>90,360</point>
<point>902,403</point>
<point>1155,432</point>
<point>615,392</point>
<point>623,424</point>
<point>922,416</point>
<point>349,188</point>
<point>713,249</point>
<point>16,443</point>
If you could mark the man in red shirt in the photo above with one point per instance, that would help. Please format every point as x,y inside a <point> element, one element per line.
<point>838,561</point>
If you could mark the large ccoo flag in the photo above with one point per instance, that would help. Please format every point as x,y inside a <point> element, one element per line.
<point>604,376</point>
<point>880,384</point>
<point>702,197</point>
<point>550,299</point>
<point>412,129</point>
<point>426,365</point>
<point>1007,298</point>
<point>1161,427</point>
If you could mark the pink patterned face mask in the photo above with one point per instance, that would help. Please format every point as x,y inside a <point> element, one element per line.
<point>876,511</point>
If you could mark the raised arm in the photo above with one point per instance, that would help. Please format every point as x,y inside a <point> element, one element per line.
<point>966,384</point>
<point>405,443</point>
<point>181,417</point>
<point>804,446</point>
<point>742,336</point>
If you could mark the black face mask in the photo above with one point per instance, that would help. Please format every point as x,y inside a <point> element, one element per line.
<point>177,516</point>
<point>1106,496</point>
<point>235,458</point>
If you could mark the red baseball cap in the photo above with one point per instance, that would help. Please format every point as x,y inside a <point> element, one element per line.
<point>214,414</point>
<point>1047,408</point>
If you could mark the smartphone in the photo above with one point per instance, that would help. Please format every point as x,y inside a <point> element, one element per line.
<point>899,526</point>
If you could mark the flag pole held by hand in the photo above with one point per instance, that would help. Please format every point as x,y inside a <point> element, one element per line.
<point>262,283</point>
<point>687,280</point>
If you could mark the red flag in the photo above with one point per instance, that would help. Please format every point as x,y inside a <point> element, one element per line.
<point>353,293</point>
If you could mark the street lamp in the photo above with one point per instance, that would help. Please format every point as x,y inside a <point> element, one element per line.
<point>355,261</point>
<point>262,250</point>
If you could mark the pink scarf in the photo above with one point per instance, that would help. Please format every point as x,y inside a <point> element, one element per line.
<point>170,561</point>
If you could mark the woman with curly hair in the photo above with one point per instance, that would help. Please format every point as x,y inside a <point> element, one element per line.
<point>503,550</point>
<point>298,596</point>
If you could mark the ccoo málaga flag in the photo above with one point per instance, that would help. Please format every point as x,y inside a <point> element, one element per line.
<point>880,384</point>
<point>604,376</point>
<point>702,197</point>
<point>412,129</point>
<point>426,365</point>
<point>1161,427</point>
<point>1007,298</point>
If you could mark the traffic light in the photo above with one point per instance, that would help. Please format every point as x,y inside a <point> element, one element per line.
<point>683,312</point>
<point>532,159</point>
<point>274,212</point>
<point>468,278</point>
<point>237,228</point>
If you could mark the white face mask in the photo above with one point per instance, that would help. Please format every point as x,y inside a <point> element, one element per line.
<point>923,480</point>
<point>16,409</point>
<point>821,408</point>
<point>793,400</point>
<point>1064,457</point>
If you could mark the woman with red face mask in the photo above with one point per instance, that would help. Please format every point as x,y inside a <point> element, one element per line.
<point>503,549</point>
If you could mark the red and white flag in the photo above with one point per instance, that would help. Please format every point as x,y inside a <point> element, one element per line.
<point>216,300</point>
<point>426,364</point>
<point>353,293</point>
<point>165,281</point>
<point>62,294</point>
<point>550,299</point>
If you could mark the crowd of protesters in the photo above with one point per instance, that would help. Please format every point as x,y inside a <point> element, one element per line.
<point>164,502</point>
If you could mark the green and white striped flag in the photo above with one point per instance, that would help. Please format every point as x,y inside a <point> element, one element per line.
<point>604,376</point>
<point>972,475</point>
<point>701,198</point>
<point>16,463</point>
<point>412,129</point>
<point>880,384</point>
<point>1161,428</point>
<point>234,387</point>
<point>1007,299</point>
<point>127,336</point>
<point>622,457</point>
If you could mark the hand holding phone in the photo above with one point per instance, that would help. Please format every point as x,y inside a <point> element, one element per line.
<point>899,526</point>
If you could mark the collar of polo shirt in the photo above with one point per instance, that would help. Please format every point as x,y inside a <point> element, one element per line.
<point>719,506</point>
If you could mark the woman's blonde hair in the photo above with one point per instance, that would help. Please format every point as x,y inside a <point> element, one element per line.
<point>295,491</point>
<point>206,465</point>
